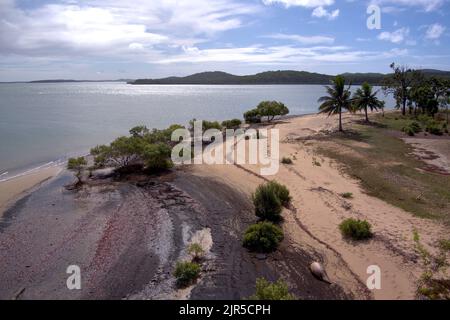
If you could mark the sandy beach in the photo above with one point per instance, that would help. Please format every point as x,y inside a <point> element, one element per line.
<point>13,189</point>
<point>318,209</point>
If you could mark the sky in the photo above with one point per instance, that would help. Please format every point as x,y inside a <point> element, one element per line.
<point>117,39</point>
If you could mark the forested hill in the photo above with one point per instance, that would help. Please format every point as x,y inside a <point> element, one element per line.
<point>276,77</point>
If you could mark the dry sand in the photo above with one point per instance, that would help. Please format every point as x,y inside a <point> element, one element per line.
<point>11,190</point>
<point>318,209</point>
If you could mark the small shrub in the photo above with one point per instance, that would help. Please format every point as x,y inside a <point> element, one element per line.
<point>433,128</point>
<point>231,124</point>
<point>266,290</point>
<point>356,229</point>
<point>186,273</point>
<point>267,203</point>
<point>196,251</point>
<point>286,160</point>
<point>263,237</point>
<point>412,128</point>
<point>347,195</point>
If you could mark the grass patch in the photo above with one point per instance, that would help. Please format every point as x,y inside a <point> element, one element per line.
<point>347,195</point>
<point>387,169</point>
<point>356,229</point>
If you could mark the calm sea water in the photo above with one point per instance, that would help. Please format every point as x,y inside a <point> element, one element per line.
<point>43,123</point>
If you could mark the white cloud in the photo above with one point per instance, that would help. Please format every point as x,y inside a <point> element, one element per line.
<point>434,31</point>
<point>279,55</point>
<point>300,3</point>
<point>115,27</point>
<point>397,36</point>
<point>427,5</point>
<point>308,40</point>
<point>321,12</point>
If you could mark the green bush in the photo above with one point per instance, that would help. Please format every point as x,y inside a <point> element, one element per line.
<point>409,131</point>
<point>412,128</point>
<point>186,273</point>
<point>286,160</point>
<point>356,229</point>
<point>231,124</point>
<point>281,191</point>
<point>263,237</point>
<point>433,128</point>
<point>76,163</point>
<point>266,290</point>
<point>267,203</point>
<point>157,157</point>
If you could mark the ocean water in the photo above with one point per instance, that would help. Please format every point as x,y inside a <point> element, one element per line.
<point>43,124</point>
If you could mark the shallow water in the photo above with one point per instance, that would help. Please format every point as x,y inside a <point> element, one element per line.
<point>43,123</point>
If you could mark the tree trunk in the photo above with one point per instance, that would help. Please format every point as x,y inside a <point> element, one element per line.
<point>404,107</point>
<point>367,117</point>
<point>340,119</point>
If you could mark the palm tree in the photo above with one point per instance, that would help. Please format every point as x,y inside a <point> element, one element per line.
<point>338,98</point>
<point>364,98</point>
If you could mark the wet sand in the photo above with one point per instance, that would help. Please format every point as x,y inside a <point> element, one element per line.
<point>13,189</point>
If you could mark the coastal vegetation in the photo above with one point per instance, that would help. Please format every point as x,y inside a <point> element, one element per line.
<point>422,95</point>
<point>266,110</point>
<point>143,149</point>
<point>263,237</point>
<point>266,290</point>
<point>186,273</point>
<point>356,229</point>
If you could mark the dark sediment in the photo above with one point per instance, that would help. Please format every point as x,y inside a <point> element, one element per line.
<point>126,237</point>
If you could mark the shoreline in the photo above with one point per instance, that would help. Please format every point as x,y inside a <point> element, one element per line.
<point>14,189</point>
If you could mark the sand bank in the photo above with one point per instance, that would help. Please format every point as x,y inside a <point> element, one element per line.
<point>11,190</point>
<point>316,183</point>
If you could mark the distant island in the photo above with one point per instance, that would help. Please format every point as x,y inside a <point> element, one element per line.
<point>70,80</point>
<point>277,77</point>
